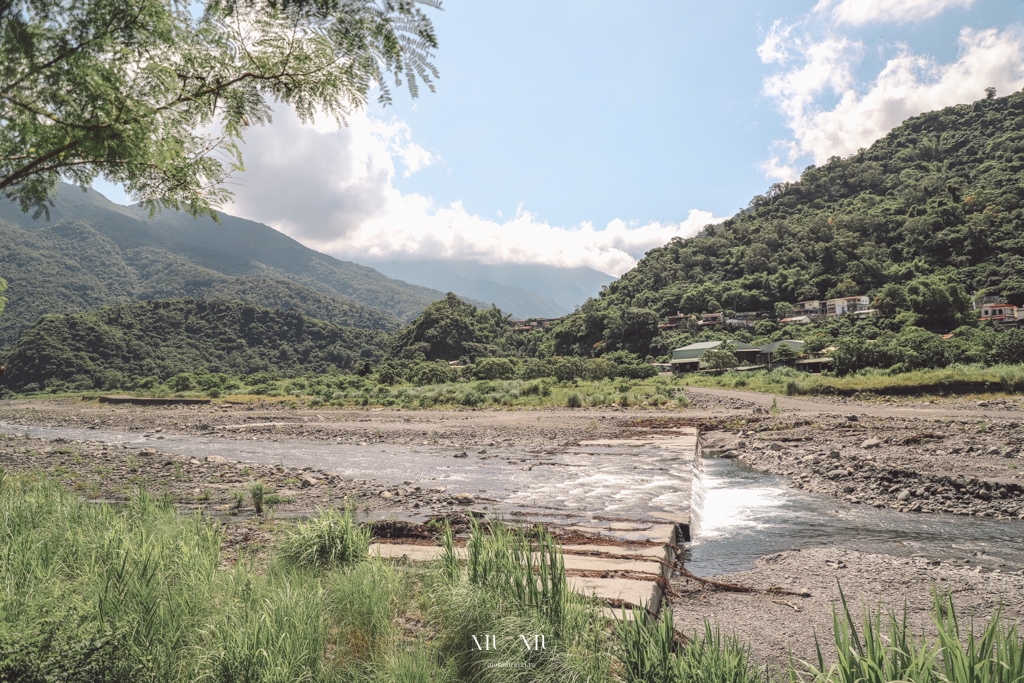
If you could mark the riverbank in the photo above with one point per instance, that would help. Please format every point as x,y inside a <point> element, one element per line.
<point>776,624</point>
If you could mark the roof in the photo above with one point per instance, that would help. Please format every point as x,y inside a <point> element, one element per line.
<point>794,344</point>
<point>695,351</point>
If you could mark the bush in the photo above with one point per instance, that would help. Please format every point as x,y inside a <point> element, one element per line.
<point>599,368</point>
<point>471,399</point>
<point>331,539</point>
<point>534,368</point>
<point>568,369</point>
<point>433,373</point>
<point>493,368</point>
<point>574,400</point>
<point>182,382</point>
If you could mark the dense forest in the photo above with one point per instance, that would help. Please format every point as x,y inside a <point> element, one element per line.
<point>922,221</point>
<point>123,346</point>
<point>93,253</point>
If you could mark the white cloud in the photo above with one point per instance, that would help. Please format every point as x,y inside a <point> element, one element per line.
<point>908,85</point>
<point>776,170</point>
<point>333,189</point>
<point>774,48</point>
<point>862,12</point>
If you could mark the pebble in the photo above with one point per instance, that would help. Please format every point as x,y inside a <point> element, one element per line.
<point>871,443</point>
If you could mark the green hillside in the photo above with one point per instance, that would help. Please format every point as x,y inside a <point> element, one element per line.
<point>926,218</point>
<point>93,253</point>
<point>114,346</point>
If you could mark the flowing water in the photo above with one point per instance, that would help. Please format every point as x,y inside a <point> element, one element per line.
<point>740,514</point>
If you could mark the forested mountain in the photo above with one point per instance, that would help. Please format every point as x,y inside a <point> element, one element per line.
<point>93,253</point>
<point>115,346</point>
<point>927,217</point>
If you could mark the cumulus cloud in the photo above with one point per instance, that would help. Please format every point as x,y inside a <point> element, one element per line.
<point>908,85</point>
<point>333,190</point>
<point>861,12</point>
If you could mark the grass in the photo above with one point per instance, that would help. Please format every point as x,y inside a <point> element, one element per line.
<point>956,379</point>
<point>96,593</point>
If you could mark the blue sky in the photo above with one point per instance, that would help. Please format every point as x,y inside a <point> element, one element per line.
<point>585,133</point>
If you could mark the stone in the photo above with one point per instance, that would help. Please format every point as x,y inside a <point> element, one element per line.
<point>216,460</point>
<point>871,443</point>
<point>992,450</point>
<point>903,495</point>
<point>852,418</point>
<point>462,454</point>
<point>307,481</point>
<point>438,489</point>
<point>465,498</point>
<point>836,474</point>
<point>729,455</point>
<point>148,452</point>
<point>776,447</point>
<point>387,495</point>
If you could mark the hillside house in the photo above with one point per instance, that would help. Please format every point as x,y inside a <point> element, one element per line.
<point>1001,312</point>
<point>814,310</point>
<point>687,358</point>
<point>797,320</point>
<point>710,319</point>
<point>744,319</point>
<point>846,305</point>
<point>531,324</point>
<point>674,321</point>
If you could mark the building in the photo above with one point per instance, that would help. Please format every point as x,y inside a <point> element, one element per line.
<point>709,319</point>
<point>687,358</point>
<point>1003,313</point>
<point>744,319</point>
<point>814,310</point>
<point>768,350</point>
<point>531,324</point>
<point>797,320</point>
<point>846,305</point>
<point>674,321</point>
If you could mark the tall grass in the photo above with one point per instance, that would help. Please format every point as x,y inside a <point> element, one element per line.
<point>331,539</point>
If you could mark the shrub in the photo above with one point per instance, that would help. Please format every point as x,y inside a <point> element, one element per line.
<point>568,369</point>
<point>182,382</point>
<point>471,399</point>
<point>331,539</point>
<point>493,368</point>
<point>574,400</point>
<point>258,491</point>
<point>534,368</point>
<point>599,368</point>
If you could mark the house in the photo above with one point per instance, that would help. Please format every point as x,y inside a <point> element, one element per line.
<point>744,319</point>
<point>845,305</point>
<point>797,320</point>
<point>709,319</point>
<point>812,364</point>
<point>531,324</point>
<point>674,321</point>
<point>768,350</point>
<point>1004,313</point>
<point>687,359</point>
<point>814,309</point>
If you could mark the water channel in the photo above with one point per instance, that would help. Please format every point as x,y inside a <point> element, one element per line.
<point>738,514</point>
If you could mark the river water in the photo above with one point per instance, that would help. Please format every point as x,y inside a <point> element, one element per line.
<point>738,514</point>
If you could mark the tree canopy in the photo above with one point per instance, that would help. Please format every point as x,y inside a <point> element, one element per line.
<point>450,329</point>
<point>921,221</point>
<point>151,95</point>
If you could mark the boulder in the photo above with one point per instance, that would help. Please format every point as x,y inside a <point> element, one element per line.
<point>465,498</point>
<point>852,418</point>
<point>463,454</point>
<point>776,447</point>
<point>146,452</point>
<point>307,481</point>
<point>216,460</point>
<point>871,443</point>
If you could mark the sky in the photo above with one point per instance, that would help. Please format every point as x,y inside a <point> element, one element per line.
<point>585,133</point>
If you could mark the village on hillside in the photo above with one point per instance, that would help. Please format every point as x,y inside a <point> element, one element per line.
<point>713,356</point>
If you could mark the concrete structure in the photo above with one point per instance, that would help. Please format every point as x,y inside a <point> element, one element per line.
<point>814,309</point>
<point>687,358</point>
<point>797,320</point>
<point>1003,313</point>
<point>709,319</point>
<point>627,562</point>
<point>846,304</point>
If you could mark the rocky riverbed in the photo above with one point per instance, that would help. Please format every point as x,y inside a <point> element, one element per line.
<point>962,467</point>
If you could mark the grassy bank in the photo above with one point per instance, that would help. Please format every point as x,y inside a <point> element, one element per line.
<point>139,593</point>
<point>954,380</point>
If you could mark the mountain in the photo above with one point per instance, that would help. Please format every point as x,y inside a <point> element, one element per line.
<point>524,290</point>
<point>113,347</point>
<point>92,253</point>
<point>922,220</point>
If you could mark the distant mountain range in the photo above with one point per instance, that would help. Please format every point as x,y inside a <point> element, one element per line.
<point>524,290</point>
<point>93,253</point>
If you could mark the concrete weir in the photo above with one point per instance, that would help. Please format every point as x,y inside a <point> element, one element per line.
<point>624,563</point>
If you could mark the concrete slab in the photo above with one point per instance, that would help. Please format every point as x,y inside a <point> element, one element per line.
<point>619,590</point>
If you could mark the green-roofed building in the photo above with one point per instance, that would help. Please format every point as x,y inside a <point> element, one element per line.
<point>687,359</point>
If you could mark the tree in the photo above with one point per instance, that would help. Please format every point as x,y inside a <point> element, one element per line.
<point>144,93</point>
<point>784,354</point>
<point>3,300</point>
<point>721,358</point>
<point>782,310</point>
